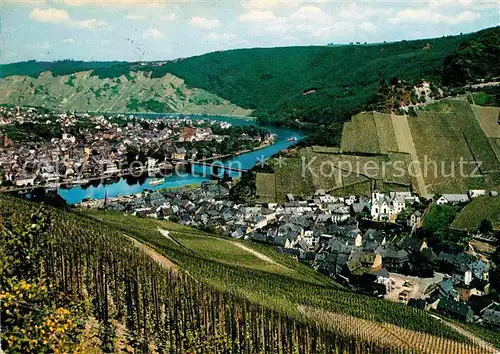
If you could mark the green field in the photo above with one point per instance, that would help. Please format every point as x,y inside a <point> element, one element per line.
<point>97,243</point>
<point>435,152</point>
<point>341,174</point>
<point>360,135</point>
<point>488,119</point>
<point>482,208</point>
<point>292,178</point>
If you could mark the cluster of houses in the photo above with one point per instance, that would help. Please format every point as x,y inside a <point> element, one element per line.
<point>95,146</point>
<point>336,236</point>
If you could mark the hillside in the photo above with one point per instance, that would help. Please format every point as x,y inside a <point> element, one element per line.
<point>482,208</point>
<point>319,84</point>
<point>183,290</point>
<point>476,58</point>
<point>131,92</point>
<point>390,152</point>
<point>312,84</point>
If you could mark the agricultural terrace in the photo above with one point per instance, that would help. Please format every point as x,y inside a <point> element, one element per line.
<point>289,179</point>
<point>475,136</point>
<point>488,119</point>
<point>265,187</point>
<point>359,135</point>
<point>391,335</point>
<point>131,92</point>
<point>285,287</point>
<point>385,133</point>
<point>481,208</point>
<point>442,132</point>
<point>340,174</point>
<point>106,294</point>
<point>438,139</point>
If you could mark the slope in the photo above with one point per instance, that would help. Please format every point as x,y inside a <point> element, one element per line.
<point>445,141</point>
<point>321,84</point>
<point>213,261</point>
<point>313,84</point>
<point>127,290</point>
<point>132,92</point>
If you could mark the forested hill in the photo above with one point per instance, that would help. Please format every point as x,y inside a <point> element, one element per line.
<point>319,84</point>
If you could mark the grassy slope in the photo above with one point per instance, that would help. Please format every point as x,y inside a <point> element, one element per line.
<point>479,209</point>
<point>134,92</point>
<point>282,287</point>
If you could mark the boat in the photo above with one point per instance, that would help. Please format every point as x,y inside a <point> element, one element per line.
<point>157,182</point>
<point>293,138</point>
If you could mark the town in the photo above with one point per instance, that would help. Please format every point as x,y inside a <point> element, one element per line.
<point>41,148</point>
<point>374,245</point>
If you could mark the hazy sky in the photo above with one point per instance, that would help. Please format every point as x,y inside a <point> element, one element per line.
<point>162,29</point>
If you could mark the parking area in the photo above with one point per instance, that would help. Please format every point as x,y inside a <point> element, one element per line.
<point>413,287</point>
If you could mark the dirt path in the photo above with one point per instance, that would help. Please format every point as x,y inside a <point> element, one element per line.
<point>475,339</point>
<point>166,234</point>
<point>405,144</point>
<point>162,260</point>
<point>256,254</point>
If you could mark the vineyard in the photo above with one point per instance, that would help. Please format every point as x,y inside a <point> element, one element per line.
<point>390,335</point>
<point>282,288</point>
<point>96,280</point>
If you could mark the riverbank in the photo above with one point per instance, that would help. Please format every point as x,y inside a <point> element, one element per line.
<point>101,202</point>
<point>246,160</point>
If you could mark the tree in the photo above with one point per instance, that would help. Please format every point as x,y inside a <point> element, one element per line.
<point>27,326</point>
<point>485,226</point>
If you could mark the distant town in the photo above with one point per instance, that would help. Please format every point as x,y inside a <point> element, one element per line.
<point>41,148</point>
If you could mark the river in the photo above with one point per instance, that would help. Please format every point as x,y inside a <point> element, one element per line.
<point>77,194</point>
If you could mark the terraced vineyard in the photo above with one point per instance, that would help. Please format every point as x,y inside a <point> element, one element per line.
<point>393,336</point>
<point>441,136</point>
<point>266,187</point>
<point>338,173</point>
<point>285,287</point>
<point>435,152</point>
<point>220,296</point>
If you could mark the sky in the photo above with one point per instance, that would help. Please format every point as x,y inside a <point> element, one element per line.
<point>137,30</point>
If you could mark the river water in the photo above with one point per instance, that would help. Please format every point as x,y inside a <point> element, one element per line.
<point>76,194</point>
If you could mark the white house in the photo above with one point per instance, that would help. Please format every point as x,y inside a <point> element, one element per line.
<point>384,206</point>
<point>474,193</point>
<point>311,239</point>
<point>452,199</point>
<point>464,276</point>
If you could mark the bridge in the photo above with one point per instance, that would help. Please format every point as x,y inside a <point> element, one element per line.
<point>206,162</point>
